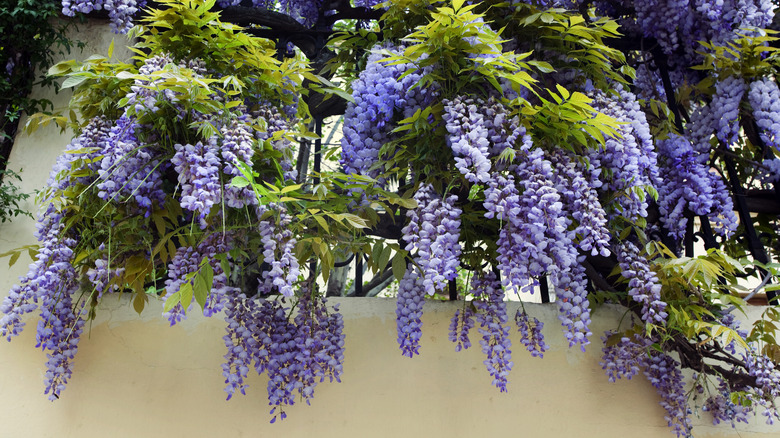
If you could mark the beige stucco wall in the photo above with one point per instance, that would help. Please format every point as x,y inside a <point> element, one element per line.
<point>137,377</point>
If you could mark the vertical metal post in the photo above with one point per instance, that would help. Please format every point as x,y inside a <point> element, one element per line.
<point>453,289</point>
<point>317,149</point>
<point>359,275</point>
<point>544,289</point>
<point>688,240</point>
<point>706,233</point>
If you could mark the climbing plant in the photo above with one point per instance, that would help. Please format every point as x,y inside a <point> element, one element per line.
<point>567,148</point>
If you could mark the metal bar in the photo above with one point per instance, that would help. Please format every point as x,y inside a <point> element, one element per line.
<point>317,149</point>
<point>453,289</point>
<point>688,240</point>
<point>544,289</point>
<point>345,262</point>
<point>359,276</point>
<point>707,234</point>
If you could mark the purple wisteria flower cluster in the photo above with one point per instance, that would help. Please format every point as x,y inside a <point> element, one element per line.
<point>643,284</point>
<point>295,354</point>
<point>492,318</point>
<point>52,283</point>
<point>188,262</point>
<point>478,132</point>
<point>130,169</point>
<point>624,357</point>
<point>278,252</point>
<point>468,138</point>
<point>378,92</point>
<point>411,297</point>
<point>772,174</point>
<point>432,233</point>
<point>277,121</point>
<point>582,201</point>
<point>122,205</point>
<point>627,164</point>
<point>103,272</point>
<point>237,147</point>
<point>198,168</point>
<point>461,323</point>
<point>767,382</point>
<point>699,131</point>
<point>537,237</point>
<point>150,93</point>
<point>120,12</point>
<point>573,306</point>
<point>678,25</point>
<point>663,19</point>
<point>764,97</point>
<point>725,105</point>
<point>686,183</point>
<point>504,129</point>
<point>543,235</point>
<point>531,331</point>
<point>60,328</point>
<point>722,409</point>
<point>664,374</point>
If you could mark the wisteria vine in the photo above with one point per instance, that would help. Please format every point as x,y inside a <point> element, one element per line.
<point>523,159</point>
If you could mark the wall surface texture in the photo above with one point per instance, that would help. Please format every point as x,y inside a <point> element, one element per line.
<point>137,377</point>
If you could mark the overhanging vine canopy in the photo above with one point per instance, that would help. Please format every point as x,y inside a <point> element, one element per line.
<point>488,149</point>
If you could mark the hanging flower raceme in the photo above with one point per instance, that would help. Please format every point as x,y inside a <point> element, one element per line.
<point>689,185</point>
<point>278,245</point>
<point>378,93</point>
<point>492,318</point>
<point>627,164</point>
<point>764,97</point>
<point>644,286</point>
<point>725,104</point>
<point>531,331</point>
<point>130,169</point>
<point>460,325</point>
<point>433,232</point>
<point>411,296</point>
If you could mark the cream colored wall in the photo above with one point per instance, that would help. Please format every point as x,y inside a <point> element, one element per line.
<point>136,377</point>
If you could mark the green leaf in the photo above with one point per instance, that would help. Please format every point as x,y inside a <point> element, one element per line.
<point>172,301</point>
<point>291,188</point>
<point>186,293</point>
<point>384,258</point>
<point>542,66</point>
<point>239,182</point>
<point>73,81</point>
<point>13,259</point>
<point>208,273</point>
<point>323,223</point>
<point>399,265</point>
<point>474,192</point>
<point>355,221</point>
<point>139,301</point>
<point>201,288</point>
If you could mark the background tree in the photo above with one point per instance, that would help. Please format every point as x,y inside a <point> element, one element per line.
<point>32,34</point>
